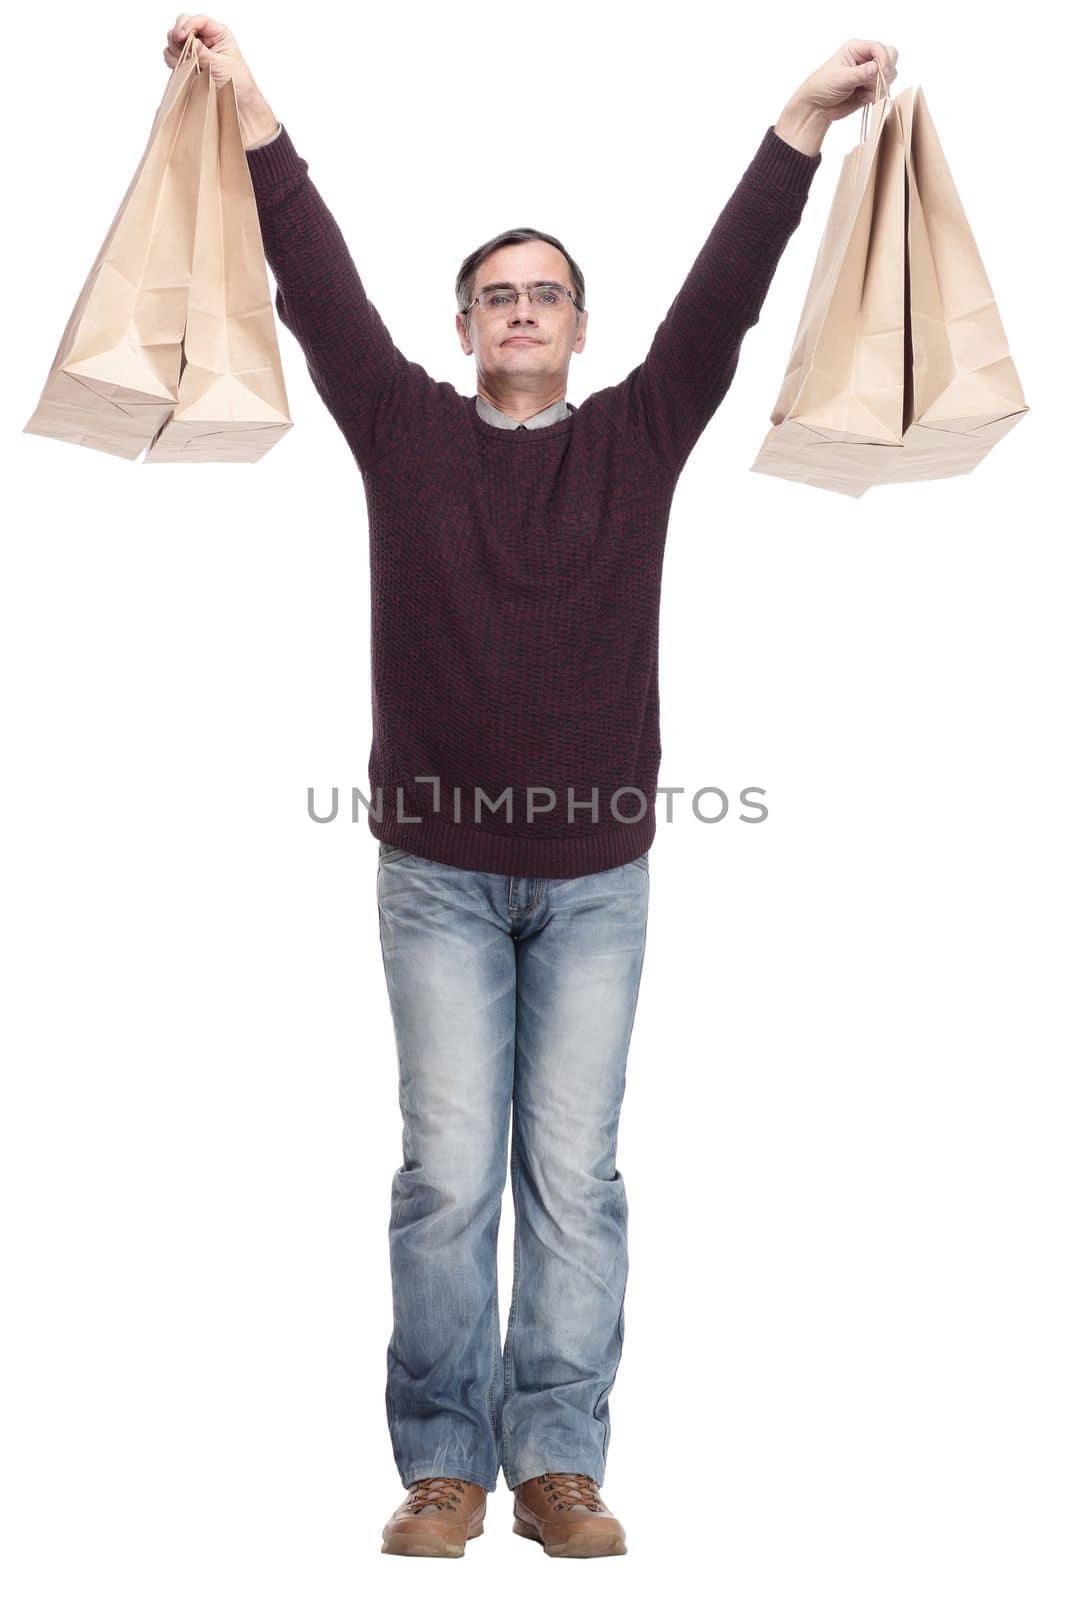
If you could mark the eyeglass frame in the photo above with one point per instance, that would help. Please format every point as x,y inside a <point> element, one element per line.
<point>522,289</point>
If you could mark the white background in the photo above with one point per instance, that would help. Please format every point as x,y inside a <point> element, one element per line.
<point>843,1132</point>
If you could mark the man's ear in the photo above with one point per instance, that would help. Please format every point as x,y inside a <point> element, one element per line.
<point>464,337</point>
<point>579,338</point>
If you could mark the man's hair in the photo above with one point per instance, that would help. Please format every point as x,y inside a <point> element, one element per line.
<point>469,270</point>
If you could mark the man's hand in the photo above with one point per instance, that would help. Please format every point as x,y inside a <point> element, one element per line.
<point>840,86</point>
<point>218,50</point>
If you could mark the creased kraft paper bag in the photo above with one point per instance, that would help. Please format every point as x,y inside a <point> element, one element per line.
<point>845,375</point>
<point>960,391</point>
<point>232,403</point>
<point>114,379</point>
<point>964,379</point>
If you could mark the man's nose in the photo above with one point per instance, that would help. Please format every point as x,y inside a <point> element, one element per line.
<point>517,311</point>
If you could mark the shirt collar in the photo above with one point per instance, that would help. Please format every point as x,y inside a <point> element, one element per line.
<point>540,419</point>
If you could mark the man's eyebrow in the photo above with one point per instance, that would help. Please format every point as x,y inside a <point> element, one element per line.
<point>541,283</point>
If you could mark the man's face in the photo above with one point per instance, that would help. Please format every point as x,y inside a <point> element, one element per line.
<point>523,345</point>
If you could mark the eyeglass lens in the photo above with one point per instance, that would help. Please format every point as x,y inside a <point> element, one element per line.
<point>543,296</point>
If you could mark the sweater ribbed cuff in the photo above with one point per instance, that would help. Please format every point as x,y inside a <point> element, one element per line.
<point>260,142</point>
<point>783,165</point>
<point>274,165</point>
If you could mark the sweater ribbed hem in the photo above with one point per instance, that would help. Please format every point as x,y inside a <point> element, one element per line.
<point>783,165</point>
<point>475,849</point>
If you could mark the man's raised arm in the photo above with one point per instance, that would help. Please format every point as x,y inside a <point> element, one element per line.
<point>670,398</point>
<point>358,371</point>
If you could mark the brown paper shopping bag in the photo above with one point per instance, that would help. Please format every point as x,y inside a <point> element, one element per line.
<point>960,391</point>
<point>845,374</point>
<point>965,388</point>
<point>114,378</point>
<point>232,403</point>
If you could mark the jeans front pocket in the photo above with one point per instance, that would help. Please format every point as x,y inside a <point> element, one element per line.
<point>388,853</point>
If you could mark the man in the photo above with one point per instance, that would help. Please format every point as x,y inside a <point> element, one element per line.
<point>516,546</point>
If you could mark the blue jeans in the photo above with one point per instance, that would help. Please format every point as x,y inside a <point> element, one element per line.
<point>513,1000</point>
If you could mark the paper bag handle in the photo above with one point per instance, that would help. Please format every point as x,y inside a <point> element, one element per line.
<point>192,47</point>
<point>867,104</point>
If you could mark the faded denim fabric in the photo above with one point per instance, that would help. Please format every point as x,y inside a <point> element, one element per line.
<point>513,1001</point>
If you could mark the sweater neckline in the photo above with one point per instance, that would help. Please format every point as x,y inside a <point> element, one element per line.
<point>491,430</point>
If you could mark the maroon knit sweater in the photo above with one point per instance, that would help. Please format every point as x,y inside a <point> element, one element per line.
<point>515,573</point>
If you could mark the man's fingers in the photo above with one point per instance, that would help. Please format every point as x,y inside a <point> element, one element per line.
<point>186,23</point>
<point>873,49</point>
<point>207,29</point>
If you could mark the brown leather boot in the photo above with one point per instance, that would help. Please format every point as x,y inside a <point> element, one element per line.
<point>563,1511</point>
<point>437,1518</point>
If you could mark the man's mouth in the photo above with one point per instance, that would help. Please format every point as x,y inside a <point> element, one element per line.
<point>522,338</point>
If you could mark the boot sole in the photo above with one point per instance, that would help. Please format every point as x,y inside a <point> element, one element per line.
<point>427,1544</point>
<point>580,1544</point>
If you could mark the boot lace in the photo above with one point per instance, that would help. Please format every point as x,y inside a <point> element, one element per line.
<point>427,1492</point>
<point>569,1489</point>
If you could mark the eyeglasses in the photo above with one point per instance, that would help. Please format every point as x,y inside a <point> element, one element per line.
<point>502,296</point>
